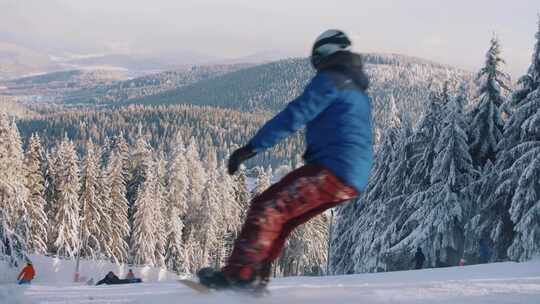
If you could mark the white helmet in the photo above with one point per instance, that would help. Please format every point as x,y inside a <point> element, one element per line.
<point>327,43</point>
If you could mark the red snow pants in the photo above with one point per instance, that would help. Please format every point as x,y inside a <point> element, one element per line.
<point>301,195</point>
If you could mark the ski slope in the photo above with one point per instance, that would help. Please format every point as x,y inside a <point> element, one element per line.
<point>494,284</point>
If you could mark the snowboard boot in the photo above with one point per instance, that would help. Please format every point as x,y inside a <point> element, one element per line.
<point>212,278</point>
<point>262,279</point>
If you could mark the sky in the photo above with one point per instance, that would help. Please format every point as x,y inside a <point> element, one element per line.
<point>452,32</point>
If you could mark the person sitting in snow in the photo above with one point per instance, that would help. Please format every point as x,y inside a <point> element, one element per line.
<point>110,278</point>
<point>130,275</point>
<point>27,274</point>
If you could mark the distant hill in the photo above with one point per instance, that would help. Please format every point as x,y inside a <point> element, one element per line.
<point>142,62</point>
<point>269,86</point>
<point>16,61</point>
<point>148,85</point>
<point>53,86</point>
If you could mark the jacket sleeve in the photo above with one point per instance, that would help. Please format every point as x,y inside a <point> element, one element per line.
<point>317,96</point>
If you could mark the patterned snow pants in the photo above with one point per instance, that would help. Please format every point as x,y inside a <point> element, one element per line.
<point>301,195</point>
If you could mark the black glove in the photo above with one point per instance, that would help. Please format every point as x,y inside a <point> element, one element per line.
<point>238,157</point>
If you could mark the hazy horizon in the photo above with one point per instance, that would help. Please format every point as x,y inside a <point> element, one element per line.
<point>456,33</point>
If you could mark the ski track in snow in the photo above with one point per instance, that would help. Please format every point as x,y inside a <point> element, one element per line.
<point>497,283</point>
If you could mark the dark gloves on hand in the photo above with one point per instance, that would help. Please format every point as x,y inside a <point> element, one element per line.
<point>238,157</point>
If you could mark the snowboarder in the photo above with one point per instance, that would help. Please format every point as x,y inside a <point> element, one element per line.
<point>27,274</point>
<point>337,114</point>
<point>419,258</point>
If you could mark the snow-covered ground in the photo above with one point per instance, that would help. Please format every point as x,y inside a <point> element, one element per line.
<point>494,284</point>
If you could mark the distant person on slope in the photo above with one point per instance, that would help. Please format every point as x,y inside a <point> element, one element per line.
<point>27,274</point>
<point>484,252</point>
<point>110,278</point>
<point>337,114</point>
<point>419,258</point>
<point>130,275</point>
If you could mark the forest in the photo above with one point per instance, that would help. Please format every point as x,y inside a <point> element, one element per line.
<point>142,180</point>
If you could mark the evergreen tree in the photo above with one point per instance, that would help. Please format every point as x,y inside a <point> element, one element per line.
<point>12,245</point>
<point>105,226</point>
<point>231,216</point>
<point>440,212</point>
<point>15,223</point>
<point>66,222</point>
<point>424,140</point>
<point>13,190</point>
<point>207,215</point>
<point>520,163</point>
<point>193,219</point>
<point>37,219</point>
<point>141,152</point>
<point>160,212</point>
<point>263,180</point>
<point>143,238</point>
<point>118,211</point>
<point>93,207</point>
<point>486,126</point>
<point>176,209</point>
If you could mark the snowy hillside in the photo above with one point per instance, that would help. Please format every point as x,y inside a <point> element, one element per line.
<point>491,283</point>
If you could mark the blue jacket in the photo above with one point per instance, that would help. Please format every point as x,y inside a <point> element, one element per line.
<point>337,116</point>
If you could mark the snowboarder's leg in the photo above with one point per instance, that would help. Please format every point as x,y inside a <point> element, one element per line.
<point>301,195</point>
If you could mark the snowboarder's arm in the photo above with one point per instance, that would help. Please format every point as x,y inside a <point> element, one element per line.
<point>317,96</point>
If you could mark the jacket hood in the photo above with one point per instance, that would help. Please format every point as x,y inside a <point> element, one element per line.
<point>348,63</point>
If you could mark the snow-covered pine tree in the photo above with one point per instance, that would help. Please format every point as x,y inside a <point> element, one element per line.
<point>485,130</point>
<point>305,252</point>
<point>35,182</point>
<point>14,221</point>
<point>231,213</point>
<point>241,193</point>
<point>197,183</point>
<point>491,224</point>
<point>398,184</point>
<point>66,222</point>
<point>143,238</point>
<point>13,190</point>
<point>520,163</point>
<point>423,142</point>
<point>51,162</point>
<point>105,226</point>
<point>118,211</point>
<point>209,212</point>
<point>137,163</point>
<point>176,208</point>
<point>94,214</point>
<point>161,210</point>
<point>263,180</point>
<point>359,225</point>
<point>437,222</point>
<point>12,245</point>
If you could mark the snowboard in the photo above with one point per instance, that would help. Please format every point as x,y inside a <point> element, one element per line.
<point>202,289</point>
<point>198,287</point>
